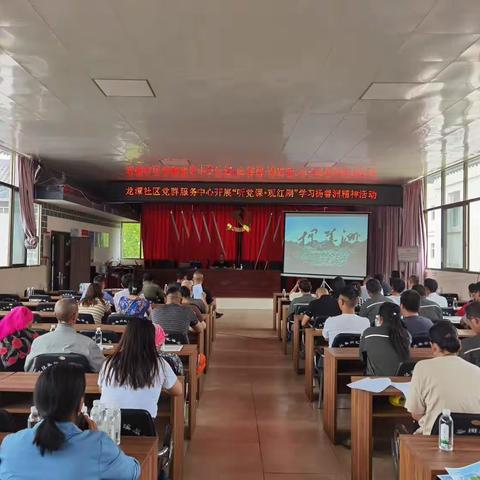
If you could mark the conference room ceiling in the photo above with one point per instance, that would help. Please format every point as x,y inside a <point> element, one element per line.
<point>385,85</point>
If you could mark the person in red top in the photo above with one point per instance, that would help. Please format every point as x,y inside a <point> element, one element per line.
<point>474,293</point>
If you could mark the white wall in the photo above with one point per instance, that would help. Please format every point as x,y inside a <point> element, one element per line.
<point>16,280</point>
<point>100,255</point>
<point>454,282</point>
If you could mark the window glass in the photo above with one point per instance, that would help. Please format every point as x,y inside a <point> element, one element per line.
<point>18,239</point>
<point>454,237</point>
<point>33,256</point>
<point>454,184</point>
<point>5,166</point>
<point>131,242</point>
<point>434,239</point>
<point>434,190</point>
<point>4,224</point>
<point>473,179</point>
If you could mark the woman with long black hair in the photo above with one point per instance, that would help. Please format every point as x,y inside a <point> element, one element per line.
<point>56,448</point>
<point>135,375</point>
<point>387,344</point>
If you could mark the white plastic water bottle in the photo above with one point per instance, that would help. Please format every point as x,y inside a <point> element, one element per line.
<point>53,327</point>
<point>97,414</point>
<point>33,418</point>
<point>455,303</point>
<point>445,431</point>
<point>98,336</point>
<point>165,288</point>
<point>284,293</point>
<point>113,424</point>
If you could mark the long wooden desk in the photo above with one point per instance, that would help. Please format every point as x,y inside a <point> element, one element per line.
<point>16,390</point>
<point>364,410</point>
<point>144,449</point>
<point>311,334</point>
<point>420,458</point>
<point>281,302</point>
<point>340,364</point>
<point>81,327</point>
<point>276,296</point>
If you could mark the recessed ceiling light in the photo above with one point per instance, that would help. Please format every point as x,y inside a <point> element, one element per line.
<point>175,162</point>
<point>124,88</point>
<point>400,91</point>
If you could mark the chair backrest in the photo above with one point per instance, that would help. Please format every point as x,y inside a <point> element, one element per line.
<point>118,319</point>
<point>344,340</point>
<point>137,423</point>
<point>450,297</point>
<point>448,312</point>
<point>300,308</point>
<point>46,360</point>
<point>7,306</point>
<point>107,337</point>
<point>37,318</point>
<point>41,298</point>
<point>176,339</point>
<point>472,355</point>
<point>7,421</point>
<point>421,341</point>
<point>85,318</point>
<point>67,293</point>
<point>405,369</point>
<point>9,297</point>
<point>46,307</point>
<point>174,361</point>
<point>466,424</point>
<point>319,321</point>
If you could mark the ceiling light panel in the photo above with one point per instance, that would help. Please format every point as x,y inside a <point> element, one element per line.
<point>124,88</point>
<point>401,91</point>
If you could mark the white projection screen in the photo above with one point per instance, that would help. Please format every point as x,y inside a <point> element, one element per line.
<point>325,245</point>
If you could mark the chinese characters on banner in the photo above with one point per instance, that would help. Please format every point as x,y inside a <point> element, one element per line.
<point>257,193</point>
<point>210,172</point>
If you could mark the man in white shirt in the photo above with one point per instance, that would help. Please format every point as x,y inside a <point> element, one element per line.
<point>348,321</point>
<point>398,286</point>
<point>125,281</point>
<point>431,287</point>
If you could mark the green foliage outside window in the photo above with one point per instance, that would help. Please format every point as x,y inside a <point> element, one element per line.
<point>131,243</point>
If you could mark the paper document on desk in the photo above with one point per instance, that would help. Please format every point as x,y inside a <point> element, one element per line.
<point>470,472</point>
<point>171,348</point>
<point>379,384</point>
<point>454,319</point>
<point>375,385</point>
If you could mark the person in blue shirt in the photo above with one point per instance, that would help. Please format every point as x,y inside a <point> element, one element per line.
<point>56,448</point>
<point>100,280</point>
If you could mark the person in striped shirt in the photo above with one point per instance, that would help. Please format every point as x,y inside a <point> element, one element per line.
<point>94,303</point>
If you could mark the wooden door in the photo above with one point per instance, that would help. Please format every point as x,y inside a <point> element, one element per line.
<point>80,248</point>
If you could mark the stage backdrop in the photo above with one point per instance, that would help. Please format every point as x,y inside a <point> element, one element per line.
<point>188,232</point>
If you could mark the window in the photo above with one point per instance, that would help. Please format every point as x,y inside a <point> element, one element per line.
<point>5,166</point>
<point>454,184</point>
<point>434,190</point>
<point>18,239</point>
<point>434,237</point>
<point>5,194</point>
<point>131,242</point>
<point>473,179</point>
<point>454,237</point>
<point>474,237</point>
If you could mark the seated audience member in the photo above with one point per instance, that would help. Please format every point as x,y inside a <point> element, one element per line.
<point>151,291</point>
<point>409,307</point>
<point>175,318</point>
<point>134,305</point>
<point>445,381</point>
<point>56,448</point>
<point>324,305</point>
<point>473,291</point>
<point>370,307</point>
<point>385,286</point>
<point>428,308</point>
<point>64,339</point>
<point>398,286</point>
<point>431,287</point>
<point>471,345</point>
<point>363,289</point>
<point>16,338</point>
<point>221,262</point>
<point>200,292</point>
<point>295,291</point>
<point>94,304</point>
<point>412,280</point>
<point>125,282</point>
<point>100,280</point>
<point>187,301</point>
<point>347,321</point>
<point>304,299</point>
<point>386,345</point>
<point>338,284</point>
<point>134,375</point>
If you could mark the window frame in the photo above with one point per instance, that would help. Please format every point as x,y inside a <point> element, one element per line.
<point>465,204</point>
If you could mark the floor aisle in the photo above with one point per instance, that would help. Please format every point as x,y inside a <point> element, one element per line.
<point>254,422</point>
